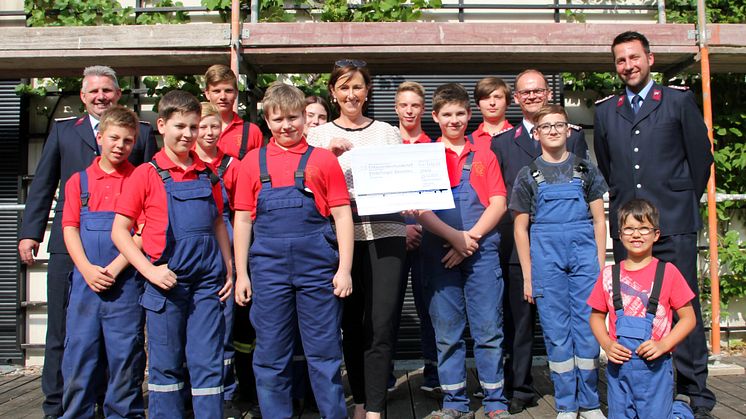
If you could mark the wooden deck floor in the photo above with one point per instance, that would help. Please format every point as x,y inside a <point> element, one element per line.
<point>21,396</point>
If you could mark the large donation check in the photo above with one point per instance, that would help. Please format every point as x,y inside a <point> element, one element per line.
<point>394,178</point>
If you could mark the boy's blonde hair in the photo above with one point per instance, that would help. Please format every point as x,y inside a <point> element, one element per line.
<point>178,101</point>
<point>118,116</point>
<point>550,110</point>
<point>283,97</point>
<point>220,73</point>
<point>487,85</point>
<point>411,86</point>
<point>450,93</point>
<point>641,210</point>
<point>208,109</point>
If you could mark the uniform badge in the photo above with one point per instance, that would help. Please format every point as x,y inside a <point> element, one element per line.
<point>620,101</point>
<point>657,95</point>
<point>518,131</point>
<point>80,121</point>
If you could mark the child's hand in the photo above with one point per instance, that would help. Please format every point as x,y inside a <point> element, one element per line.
<point>414,236</point>
<point>452,259</point>
<point>617,353</point>
<point>465,243</point>
<point>243,290</point>
<point>225,292</point>
<point>339,146</point>
<point>162,277</point>
<point>651,349</point>
<point>97,278</point>
<point>528,290</point>
<point>342,284</point>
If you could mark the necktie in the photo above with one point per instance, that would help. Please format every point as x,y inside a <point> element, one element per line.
<point>636,103</point>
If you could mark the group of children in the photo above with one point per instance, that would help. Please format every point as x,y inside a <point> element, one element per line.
<point>160,237</point>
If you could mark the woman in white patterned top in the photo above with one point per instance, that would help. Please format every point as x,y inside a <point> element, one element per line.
<point>369,322</point>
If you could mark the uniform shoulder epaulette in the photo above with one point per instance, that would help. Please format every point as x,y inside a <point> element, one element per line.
<point>145,122</point>
<point>575,127</point>
<point>604,99</point>
<point>679,87</point>
<point>67,118</point>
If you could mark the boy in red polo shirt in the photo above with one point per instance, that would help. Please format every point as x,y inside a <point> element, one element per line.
<point>103,309</point>
<point>186,252</point>
<point>491,96</point>
<point>285,195</point>
<point>238,136</point>
<point>461,265</point>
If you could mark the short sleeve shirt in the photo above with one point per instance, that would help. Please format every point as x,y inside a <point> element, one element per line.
<point>229,176</point>
<point>635,288</point>
<point>230,139</point>
<point>483,138</point>
<point>145,193</point>
<point>324,177</point>
<point>104,190</point>
<point>485,175</point>
<point>525,188</point>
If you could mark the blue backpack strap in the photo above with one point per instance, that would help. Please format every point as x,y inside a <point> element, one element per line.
<point>263,173</point>
<point>244,140</point>
<point>300,172</point>
<point>165,176</point>
<point>657,285</point>
<point>84,195</point>
<point>616,293</point>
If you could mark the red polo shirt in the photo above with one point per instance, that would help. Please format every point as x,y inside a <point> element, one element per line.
<point>323,176</point>
<point>229,176</point>
<point>484,138</point>
<point>145,193</point>
<point>103,191</point>
<point>230,138</point>
<point>423,138</point>
<point>485,177</point>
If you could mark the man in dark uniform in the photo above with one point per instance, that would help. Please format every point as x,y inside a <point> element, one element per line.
<point>516,148</point>
<point>651,143</point>
<point>70,147</point>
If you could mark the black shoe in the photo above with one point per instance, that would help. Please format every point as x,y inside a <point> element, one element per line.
<point>702,413</point>
<point>230,411</point>
<point>254,412</point>
<point>519,405</point>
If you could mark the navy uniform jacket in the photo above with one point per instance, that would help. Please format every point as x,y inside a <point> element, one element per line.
<point>661,154</point>
<point>70,148</point>
<point>515,149</point>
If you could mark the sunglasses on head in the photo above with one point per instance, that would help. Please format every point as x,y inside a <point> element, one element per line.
<point>350,63</point>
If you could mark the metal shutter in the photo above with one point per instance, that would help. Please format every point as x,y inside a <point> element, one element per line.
<point>10,157</point>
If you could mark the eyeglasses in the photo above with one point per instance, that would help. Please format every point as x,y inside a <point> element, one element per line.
<point>345,62</point>
<point>644,231</point>
<point>547,128</point>
<point>536,92</point>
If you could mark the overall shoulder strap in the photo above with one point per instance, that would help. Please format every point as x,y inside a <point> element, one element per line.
<point>616,288</point>
<point>165,176</point>
<point>84,195</point>
<point>470,139</point>
<point>655,294</point>
<point>244,140</point>
<point>579,169</point>
<point>224,163</point>
<point>214,179</point>
<point>263,173</point>
<point>300,172</point>
<point>535,173</point>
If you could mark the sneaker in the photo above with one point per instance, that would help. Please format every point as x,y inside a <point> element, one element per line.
<point>702,413</point>
<point>450,414</point>
<point>567,415</point>
<point>391,385</point>
<point>230,411</point>
<point>497,414</point>
<point>592,414</point>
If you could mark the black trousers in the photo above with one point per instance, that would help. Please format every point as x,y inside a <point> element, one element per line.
<point>370,317</point>
<point>690,356</point>
<point>520,317</point>
<point>58,287</point>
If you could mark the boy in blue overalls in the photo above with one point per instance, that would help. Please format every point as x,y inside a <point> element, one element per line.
<point>285,195</point>
<point>187,267</point>
<point>104,309</point>
<point>461,265</point>
<point>559,198</point>
<point>640,295</point>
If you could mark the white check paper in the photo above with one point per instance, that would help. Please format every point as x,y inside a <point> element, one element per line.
<point>394,178</point>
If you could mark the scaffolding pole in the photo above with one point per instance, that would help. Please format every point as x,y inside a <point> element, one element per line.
<point>235,41</point>
<point>711,192</point>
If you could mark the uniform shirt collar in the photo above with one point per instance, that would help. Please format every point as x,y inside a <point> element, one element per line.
<point>93,121</point>
<point>298,148</point>
<point>643,93</point>
<point>235,121</point>
<point>120,171</point>
<point>529,127</point>
<point>165,163</point>
<point>468,146</point>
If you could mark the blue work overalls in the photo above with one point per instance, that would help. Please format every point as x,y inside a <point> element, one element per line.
<point>564,268</point>
<point>472,290</point>
<point>293,260</point>
<point>229,378</point>
<point>641,389</point>
<point>185,324</point>
<point>112,319</point>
